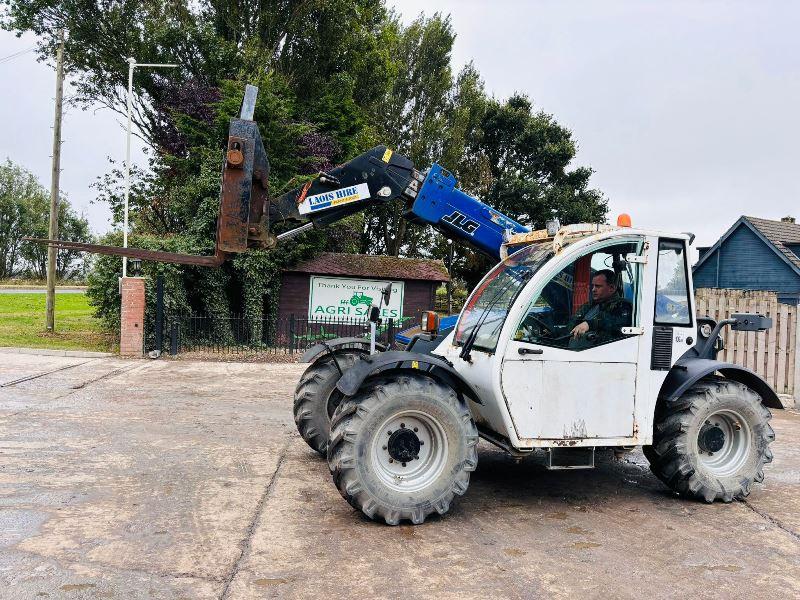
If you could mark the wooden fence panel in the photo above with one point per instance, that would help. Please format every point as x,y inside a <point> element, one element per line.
<point>772,353</point>
<point>761,361</point>
<point>772,342</point>
<point>750,361</point>
<point>782,328</point>
<point>791,356</point>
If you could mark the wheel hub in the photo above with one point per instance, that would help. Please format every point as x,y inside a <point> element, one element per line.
<point>410,450</point>
<point>711,438</point>
<point>403,445</point>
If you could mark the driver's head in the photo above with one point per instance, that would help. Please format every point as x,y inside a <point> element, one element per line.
<point>603,285</point>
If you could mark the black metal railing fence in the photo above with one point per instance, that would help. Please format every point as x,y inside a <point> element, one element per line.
<point>245,335</point>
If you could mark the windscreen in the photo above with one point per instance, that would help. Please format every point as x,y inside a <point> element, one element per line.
<point>486,310</point>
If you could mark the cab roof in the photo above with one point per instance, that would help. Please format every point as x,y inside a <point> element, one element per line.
<point>582,231</point>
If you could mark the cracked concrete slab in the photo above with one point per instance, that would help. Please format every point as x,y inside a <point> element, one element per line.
<point>158,479</point>
<point>133,478</point>
<point>521,532</point>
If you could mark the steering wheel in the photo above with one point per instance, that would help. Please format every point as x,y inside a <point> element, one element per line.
<point>542,325</point>
<point>561,338</point>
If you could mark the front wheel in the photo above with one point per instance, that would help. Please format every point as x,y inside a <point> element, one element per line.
<point>713,442</point>
<point>316,397</point>
<point>402,448</point>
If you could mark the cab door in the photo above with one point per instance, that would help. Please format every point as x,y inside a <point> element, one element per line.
<point>557,386</point>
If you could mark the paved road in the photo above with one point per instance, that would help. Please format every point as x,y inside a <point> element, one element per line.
<point>40,290</point>
<point>157,479</point>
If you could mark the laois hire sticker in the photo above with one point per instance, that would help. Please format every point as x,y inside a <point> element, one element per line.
<point>333,198</point>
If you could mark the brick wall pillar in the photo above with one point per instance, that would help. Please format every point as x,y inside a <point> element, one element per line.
<point>131,335</point>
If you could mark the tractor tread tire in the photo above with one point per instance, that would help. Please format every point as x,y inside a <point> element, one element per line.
<point>351,422</point>
<point>312,394</point>
<point>673,454</point>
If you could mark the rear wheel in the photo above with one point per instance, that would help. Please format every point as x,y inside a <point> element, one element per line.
<point>316,397</point>
<point>713,442</point>
<point>402,448</point>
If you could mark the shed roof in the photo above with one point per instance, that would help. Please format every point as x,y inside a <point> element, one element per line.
<point>373,267</point>
<point>778,235</point>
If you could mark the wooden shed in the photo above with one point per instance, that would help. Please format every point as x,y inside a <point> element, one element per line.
<point>333,285</point>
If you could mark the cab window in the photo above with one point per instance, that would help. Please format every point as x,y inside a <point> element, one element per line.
<point>587,303</point>
<point>672,287</point>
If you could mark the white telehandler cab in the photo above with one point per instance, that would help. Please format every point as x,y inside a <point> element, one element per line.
<point>581,340</point>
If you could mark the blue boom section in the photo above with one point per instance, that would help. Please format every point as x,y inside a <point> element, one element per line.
<point>459,215</point>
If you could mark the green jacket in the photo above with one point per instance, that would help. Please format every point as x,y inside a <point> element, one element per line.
<point>605,320</point>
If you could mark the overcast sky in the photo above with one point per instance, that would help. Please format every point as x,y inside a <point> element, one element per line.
<point>687,111</point>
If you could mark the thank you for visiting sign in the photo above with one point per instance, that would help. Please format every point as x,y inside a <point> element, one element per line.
<point>336,297</point>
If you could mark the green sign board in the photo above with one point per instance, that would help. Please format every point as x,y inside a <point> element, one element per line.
<point>337,297</point>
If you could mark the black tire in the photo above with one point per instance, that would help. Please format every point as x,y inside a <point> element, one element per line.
<point>315,398</point>
<point>713,442</point>
<point>373,432</point>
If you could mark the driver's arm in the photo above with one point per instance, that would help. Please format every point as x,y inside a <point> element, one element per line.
<point>614,320</point>
<point>578,325</point>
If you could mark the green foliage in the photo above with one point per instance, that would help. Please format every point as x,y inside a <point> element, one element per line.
<point>18,190</point>
<point>70,264</point>
<point>528,155</point>
<point>412,117</point>
<point>335,77</point>
<point>25,212</point>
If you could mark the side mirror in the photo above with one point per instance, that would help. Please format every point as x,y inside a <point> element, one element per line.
<point>750,322</point>
<point>374,314</point>
<point>387,293</point>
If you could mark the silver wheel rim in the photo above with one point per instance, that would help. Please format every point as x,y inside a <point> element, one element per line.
<point>414,474</point>
<point>735,449</point>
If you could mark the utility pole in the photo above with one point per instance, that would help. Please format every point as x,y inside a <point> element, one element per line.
<point>54,187</point>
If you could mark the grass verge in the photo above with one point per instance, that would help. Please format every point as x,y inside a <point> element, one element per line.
<point>22,324</point>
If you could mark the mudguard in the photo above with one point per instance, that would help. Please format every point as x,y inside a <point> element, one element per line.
<point>688,370</point>
<point>397,361</point>
<point>422,343</point>
<point>342,343</point>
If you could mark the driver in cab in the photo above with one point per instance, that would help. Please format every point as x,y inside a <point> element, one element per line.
<point>602,319</point>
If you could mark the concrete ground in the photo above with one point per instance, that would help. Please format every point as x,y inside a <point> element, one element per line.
<point>158,479</point>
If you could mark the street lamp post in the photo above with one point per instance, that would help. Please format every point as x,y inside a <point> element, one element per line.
<point>132,64</point>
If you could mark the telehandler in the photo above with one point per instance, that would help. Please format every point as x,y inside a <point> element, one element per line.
<point>404,425</point>
<point>531,363</point>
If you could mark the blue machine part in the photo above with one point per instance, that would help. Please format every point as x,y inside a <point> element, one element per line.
<point>459,215</point>
<point>446,325</point>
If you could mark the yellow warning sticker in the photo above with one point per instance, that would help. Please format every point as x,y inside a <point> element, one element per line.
<point>387,155</point>
<point>415,364</point>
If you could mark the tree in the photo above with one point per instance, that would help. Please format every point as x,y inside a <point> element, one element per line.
<point>411,118</point>
<point>25,212</point>
<point>335,77</point>
<point>318,45</point>
<point>528,155</point>
<point>19,191</point>
<point>318,66</point>
<point>70,264</point>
